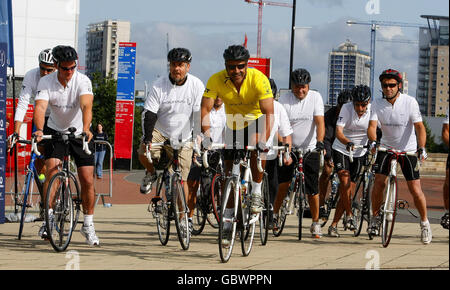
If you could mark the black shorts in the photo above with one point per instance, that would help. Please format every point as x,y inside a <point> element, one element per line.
<point>213,161</point>
<point>57,149</point>
<point>311,168</point>
<point>406,163</point>
<point>342,162</point>
<point>239,139</point>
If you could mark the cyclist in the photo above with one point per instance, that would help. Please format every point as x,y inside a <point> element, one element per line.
<point>306,114</point>
<point>68,94</point>
<point>400,120</point>
<point>171,108</point>
<point>218,123</point>
<point>445,218</point>
<point>330,118</point>
<point>282,135</point>
<point>248,100</point>
<point>351,129</point>
<point>29,90</point>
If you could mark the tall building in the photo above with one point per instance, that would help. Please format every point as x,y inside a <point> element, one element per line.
<point>347,68</point>
<point>405,83</point>
<point>102,46</point>
<point>432,74</point>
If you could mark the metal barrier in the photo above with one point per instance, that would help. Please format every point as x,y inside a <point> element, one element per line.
<point>110,175</point>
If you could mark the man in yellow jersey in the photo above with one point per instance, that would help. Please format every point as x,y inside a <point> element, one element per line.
<point>248,100</point>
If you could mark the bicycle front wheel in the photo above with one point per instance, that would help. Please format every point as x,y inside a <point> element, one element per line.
<point>63,194</point>
<point>161,212</point>
<point>301,206</point>
<point>247,233</point>
<point>216,195</point>
<point>389,212</point>
<point>23,201</point>
<point>357,205</point>
<point>180,212</point>
<point>264,216</point>
<point>228,219</point>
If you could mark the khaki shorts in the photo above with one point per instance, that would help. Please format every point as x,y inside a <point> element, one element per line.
<point>184,156</point>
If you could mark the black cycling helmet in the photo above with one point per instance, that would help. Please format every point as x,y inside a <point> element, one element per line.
<point>273,86</point>
<point>179,54</point>
<point>236,52</point>
<point>391,74</point>
<point>344,97</point>
<point>300,76</point>
<point>64,53</point>
<point>361,93</point>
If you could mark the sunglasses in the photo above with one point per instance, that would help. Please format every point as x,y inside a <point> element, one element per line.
<point>360,104</point>
<point>68,68</point>
<point>234,66</point>
<point>46,69</point>
<point>389,85</point>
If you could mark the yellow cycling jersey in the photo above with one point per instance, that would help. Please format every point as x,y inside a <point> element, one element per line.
<point>242,107</point>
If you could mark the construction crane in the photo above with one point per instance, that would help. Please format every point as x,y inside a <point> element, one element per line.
<point>374,25</point>
<point>260,4</point>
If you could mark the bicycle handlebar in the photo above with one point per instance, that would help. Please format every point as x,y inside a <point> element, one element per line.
<point>50,137</point>
<point>401,153</point>
<point>354,147</point>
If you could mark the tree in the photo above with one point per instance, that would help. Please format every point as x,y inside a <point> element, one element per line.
<point>104,110</point>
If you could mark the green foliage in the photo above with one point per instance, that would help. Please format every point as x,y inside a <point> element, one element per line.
<point>104,110</point>
<point>432,146</point>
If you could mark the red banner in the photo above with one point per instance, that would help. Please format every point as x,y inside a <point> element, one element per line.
<point>23,151</point>
<point>123,141</point>
<point>262,64</point>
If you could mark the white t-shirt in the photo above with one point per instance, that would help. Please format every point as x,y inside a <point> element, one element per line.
<point>64,103</point>
<point>301,115</point>
<point>29,90</point>
<point>281,125</point>
<point>174,106</point>
<point>218,121</point>
<point>397,121</point>
<point>355,129</point>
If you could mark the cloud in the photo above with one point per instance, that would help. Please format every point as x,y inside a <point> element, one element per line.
<point>312,47</point>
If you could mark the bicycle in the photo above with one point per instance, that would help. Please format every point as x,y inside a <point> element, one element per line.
<point>170,204</point>
<point>209,192</point>
<point>24,199</point>
<point>389,207</point>
<point>296,197</point>
<point>237,193</point>
<point>332,199</point>
<point>361,203</point>
<point>63,199</point>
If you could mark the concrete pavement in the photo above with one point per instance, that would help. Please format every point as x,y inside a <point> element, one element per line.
<point>129,241</point>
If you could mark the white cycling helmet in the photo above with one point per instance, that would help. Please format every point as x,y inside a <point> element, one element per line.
<point>46,57</point>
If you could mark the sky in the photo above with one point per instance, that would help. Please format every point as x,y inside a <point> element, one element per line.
<point>207,27</point>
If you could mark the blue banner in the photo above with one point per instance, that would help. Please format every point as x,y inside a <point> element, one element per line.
<point>6,29</point>
<point>3,65</point>
<point>127,71</point>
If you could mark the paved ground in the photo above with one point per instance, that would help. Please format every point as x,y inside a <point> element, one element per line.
<point>129,241</point>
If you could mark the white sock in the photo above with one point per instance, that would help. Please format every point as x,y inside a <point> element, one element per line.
<point>256,188</point>
<point>88,220</point>
<point>424,223</point>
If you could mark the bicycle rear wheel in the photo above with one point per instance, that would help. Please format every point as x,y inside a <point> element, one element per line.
<point>264,215</point>
<point>199,218</point>
<point>389,212</point>
<point>247,232</point>
<point>23,201</point>
<point>180,212</point>
<point>61,223</point>
<point>161,211</point>
<point>228,220</point>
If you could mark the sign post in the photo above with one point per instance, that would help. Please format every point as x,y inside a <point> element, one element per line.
<point>123,141</point>
<point>3,65</point>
